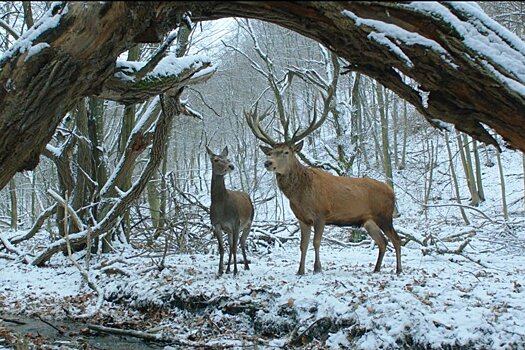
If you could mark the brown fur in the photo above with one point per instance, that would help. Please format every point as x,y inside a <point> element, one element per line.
<point>230,212</point>
<point>318,198</point>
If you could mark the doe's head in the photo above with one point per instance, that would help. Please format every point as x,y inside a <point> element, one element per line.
<point>220,164</point>
<point>280,156</point>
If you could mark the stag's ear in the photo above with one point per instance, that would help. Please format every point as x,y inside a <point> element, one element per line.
<point>224,152</point>
<point>298,147</point>
<point>210,153</point>
<point>266,150</point>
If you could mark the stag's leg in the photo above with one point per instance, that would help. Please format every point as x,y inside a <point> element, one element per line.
<point>244,236</point>
<point>375,232</point>
<point>218,234</point>
<point>388,229</point>
<point>305,239</point>
<point>318,234</point>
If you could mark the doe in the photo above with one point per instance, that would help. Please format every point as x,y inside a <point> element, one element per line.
<point>230,211</point>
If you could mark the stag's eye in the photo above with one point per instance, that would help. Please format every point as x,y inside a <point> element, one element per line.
<point>286,153</point>
<point>215,160</point>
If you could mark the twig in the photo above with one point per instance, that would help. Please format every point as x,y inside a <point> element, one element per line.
<point>61,332</point>
<point>67,208</point>
<point>299,339</point>
<point>461,206</point>
<point>457,251</point>
<point>10,320</point>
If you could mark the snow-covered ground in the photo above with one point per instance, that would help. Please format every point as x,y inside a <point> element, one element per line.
<point>464,290</point>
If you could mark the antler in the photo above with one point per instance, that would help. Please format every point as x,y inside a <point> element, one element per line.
<point>315,123</point>
<point>253,120</point>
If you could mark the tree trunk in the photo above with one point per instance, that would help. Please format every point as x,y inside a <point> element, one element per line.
<point>85,185</point>
<point>477,163</point>
<point>127,126</point>
<point>356,121</point>
<point>455,180</point>
<point>28,14</point>
<point>402,165</point>
<point>14,205</point>
<point>99,167</point>
<point>504,209</point>
<point>385,144</point>
<point>469,172</point>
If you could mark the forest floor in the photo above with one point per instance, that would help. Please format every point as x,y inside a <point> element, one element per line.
<point>465,291</point>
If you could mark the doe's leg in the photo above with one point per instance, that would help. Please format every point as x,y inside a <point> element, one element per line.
<point>218,234</point>
<point>233,248</point>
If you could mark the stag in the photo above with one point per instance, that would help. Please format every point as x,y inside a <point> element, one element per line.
<point>230,211</point>
<point>318,198</point>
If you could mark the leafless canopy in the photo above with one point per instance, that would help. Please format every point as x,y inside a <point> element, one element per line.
<point>253,119</point>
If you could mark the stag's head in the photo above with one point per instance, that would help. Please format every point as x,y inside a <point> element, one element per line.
<point>220,164</point>
<point>280,156</point>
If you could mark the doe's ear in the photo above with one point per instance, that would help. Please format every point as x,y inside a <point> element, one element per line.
<point>298,147</point>
<point>224,152</point>
<point>210,153</point>
<point>266,150</point>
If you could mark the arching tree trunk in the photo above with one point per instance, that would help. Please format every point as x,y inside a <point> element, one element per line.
<point>443,47</point>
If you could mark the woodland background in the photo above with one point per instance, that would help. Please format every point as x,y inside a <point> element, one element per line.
<point>441,179</point>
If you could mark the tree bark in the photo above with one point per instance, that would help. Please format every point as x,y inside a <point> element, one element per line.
<point>465,86</point>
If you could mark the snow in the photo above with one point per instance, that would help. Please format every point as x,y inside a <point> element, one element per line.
<point>397,33</point>
<point>25,42</point>
<point>35,50</point>
<point>442,298</point>
<point>474,299</point>
<point>502,50</point>
<point>381,38</point>
<point>483,35</point>
<point>171,65</point>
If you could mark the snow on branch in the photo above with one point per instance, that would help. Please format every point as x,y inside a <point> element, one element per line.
<point>170,73</point>
<point>383,32</point>
<point>50,20</point>
<point>484,36</point>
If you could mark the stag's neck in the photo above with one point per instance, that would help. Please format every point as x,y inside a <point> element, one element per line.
<point>218,188</point>
<point>296,181</point>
